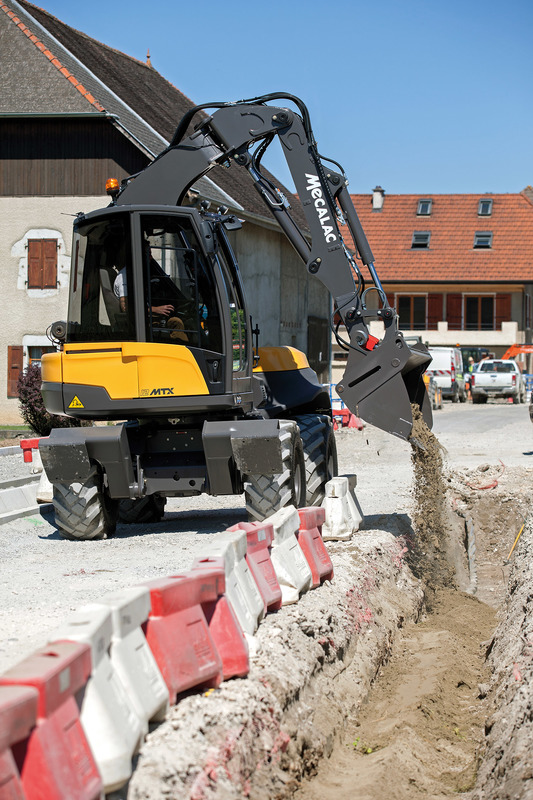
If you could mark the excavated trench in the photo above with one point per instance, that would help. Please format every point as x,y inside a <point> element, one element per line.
<point>435,722</point>
<point>407,676</point>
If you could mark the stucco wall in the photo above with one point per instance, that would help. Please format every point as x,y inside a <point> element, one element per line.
<point>28,312</point>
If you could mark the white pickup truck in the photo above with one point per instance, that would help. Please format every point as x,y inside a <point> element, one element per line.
<point>497,378</point>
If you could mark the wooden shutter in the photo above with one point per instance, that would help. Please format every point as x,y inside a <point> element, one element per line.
<point>42,263</point>
<point>14,368</point>
<point>49,263</point>
<point>435,308</point>
<point>503,309</point>
<point>453,311</point>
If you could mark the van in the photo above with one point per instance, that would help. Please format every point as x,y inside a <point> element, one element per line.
<point>447,369</point>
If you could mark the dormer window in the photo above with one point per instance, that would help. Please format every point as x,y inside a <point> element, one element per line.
<point>483,240</point>
<point>424,208</point>
<point>420,240</point>
<point>484,208</point>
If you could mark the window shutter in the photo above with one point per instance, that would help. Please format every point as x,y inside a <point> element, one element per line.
<point>49,263</point>
<point>453,311</point>
<point>14,368</point>
<point>42,263</point>
<point>503,309</point>
<point>435,306</point>
<point>34,264</point>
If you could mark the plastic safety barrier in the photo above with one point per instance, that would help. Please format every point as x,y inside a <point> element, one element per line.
<point>113,729</point>
<point>292,570</point>
<point>224,626</point>
<point>56,761</point>
<point>131,656</point>
<point>310,540</point>
<point>259,539</point>
<point>45,490</point>
<point>241,588</point>
<point>178,634</point>
<point>18,716</point>
<point>343,515</point>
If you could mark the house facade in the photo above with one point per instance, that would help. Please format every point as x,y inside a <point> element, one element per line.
<point>73,113</point>
<point>457,267</point>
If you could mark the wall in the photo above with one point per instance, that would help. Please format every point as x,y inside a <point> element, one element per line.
<point>28,313</point>
<point>281,295</point>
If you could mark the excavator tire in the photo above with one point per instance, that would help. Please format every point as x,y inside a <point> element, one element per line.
<point>83,510</point>
<point>320,455</point>
<point>143,509</point>
<point>266,494</point>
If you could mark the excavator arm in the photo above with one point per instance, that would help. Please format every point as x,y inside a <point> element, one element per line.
<point>383,377</point>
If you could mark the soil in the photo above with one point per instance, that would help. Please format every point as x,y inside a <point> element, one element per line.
<point>419,732</point>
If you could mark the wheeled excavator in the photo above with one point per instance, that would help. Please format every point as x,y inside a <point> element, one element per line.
<point>158,336</point>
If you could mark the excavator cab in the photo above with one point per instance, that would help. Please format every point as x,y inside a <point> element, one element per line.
<point>156,310</point>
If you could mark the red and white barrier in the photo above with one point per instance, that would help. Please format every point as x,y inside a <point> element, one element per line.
<point>113,728</point>
<point>56,762</point>
<point>224,626</point>
<point>131,656</point>
<point>259,539</point>
<point>292,570</point>
<point>45,490</point>
<point>18,716</point>
<point>343,516</point>
<point>310,540</point>
<point>241,588</point>
<point>178,634</point>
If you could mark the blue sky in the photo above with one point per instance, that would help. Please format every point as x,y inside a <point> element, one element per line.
<point>417,96</point>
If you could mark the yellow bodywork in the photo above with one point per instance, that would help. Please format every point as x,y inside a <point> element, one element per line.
<point>280,359</point>
<point>127,369</point>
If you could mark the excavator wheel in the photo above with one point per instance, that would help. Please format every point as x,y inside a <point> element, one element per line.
<point>320,455</point>
<point>266,494</point>
<point>83,510</point>
<point>143,509</point>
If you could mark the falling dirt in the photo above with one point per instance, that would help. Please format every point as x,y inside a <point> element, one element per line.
<point>430,552</point>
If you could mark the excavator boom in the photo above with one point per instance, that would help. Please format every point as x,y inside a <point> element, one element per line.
<point>383,378</point>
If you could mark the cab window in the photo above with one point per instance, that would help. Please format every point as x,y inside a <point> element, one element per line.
<point>239,344</point>
<point>180,292</point>
<point>101,253</point>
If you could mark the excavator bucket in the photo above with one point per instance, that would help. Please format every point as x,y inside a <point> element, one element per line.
<point>383,386</point>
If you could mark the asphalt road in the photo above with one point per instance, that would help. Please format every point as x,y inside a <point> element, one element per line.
<point>495,430</point>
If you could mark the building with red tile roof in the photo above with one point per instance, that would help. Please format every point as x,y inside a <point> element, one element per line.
<point>457,267</point>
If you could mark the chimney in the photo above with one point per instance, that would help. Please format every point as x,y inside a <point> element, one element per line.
<point>378,198</point>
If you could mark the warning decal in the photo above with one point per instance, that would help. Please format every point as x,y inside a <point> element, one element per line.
<point>76,402</point>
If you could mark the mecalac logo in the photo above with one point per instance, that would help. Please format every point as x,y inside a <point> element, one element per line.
<point>159,392</point>
<point>313,186</point>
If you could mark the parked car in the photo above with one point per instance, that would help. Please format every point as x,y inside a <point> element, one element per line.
<point>495,377</point>
<point>447,369</point>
